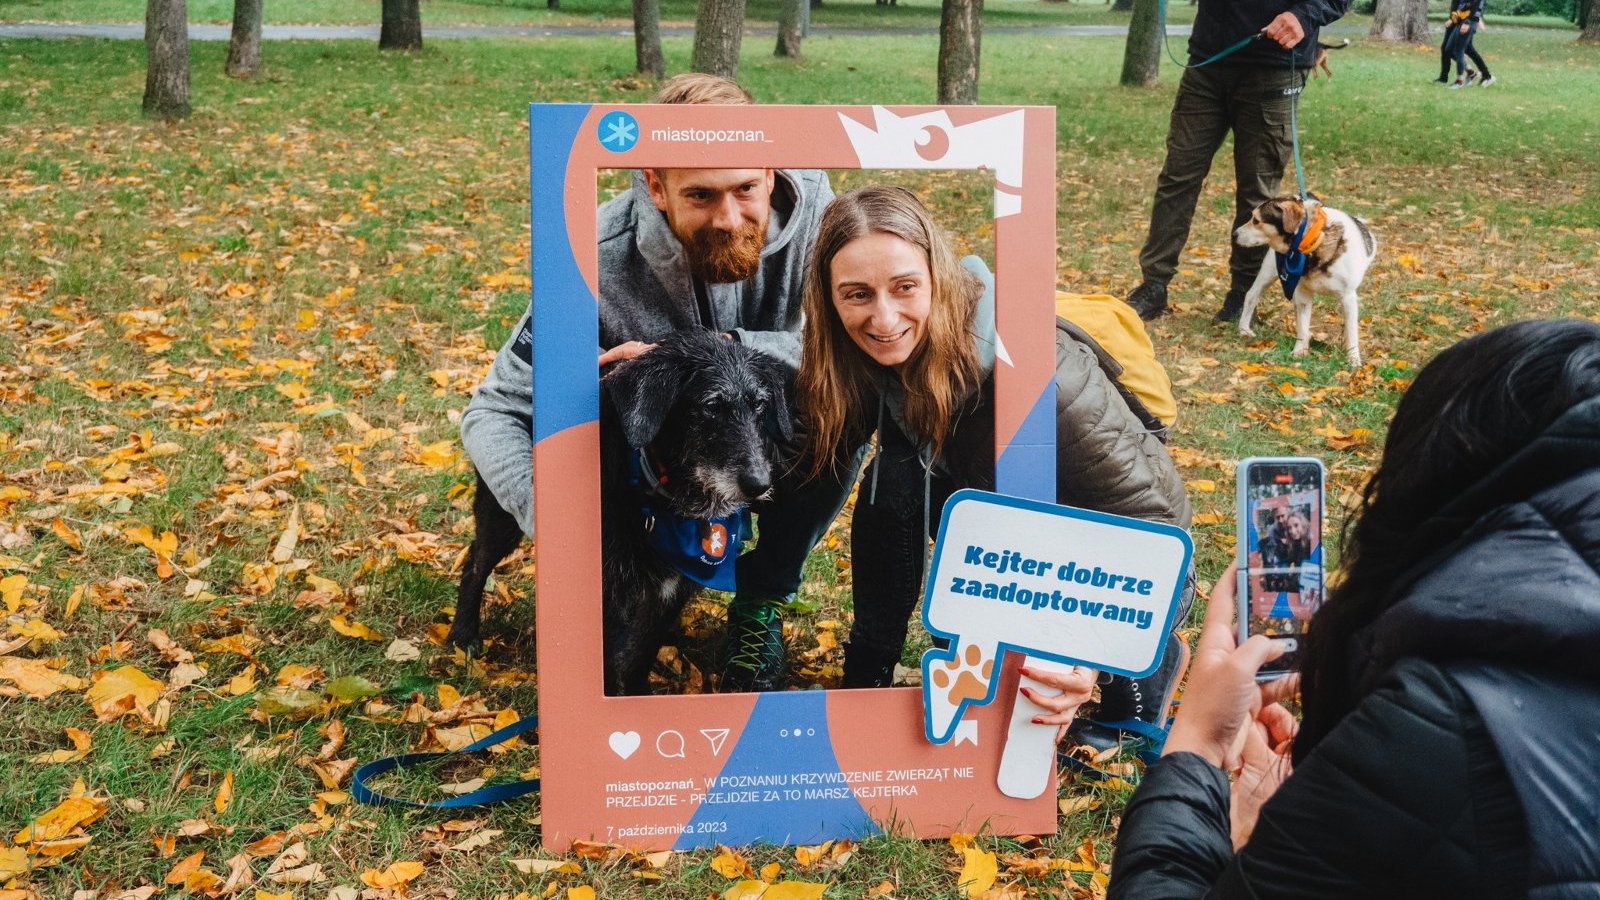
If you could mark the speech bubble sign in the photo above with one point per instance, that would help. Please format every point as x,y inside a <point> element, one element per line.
<point>1053,582</point>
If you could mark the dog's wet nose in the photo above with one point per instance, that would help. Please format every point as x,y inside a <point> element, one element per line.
<point>754,484</point>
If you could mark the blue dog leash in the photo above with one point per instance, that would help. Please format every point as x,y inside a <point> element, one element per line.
<point>494,793</point>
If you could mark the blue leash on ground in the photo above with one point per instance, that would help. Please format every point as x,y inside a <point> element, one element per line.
<point>494,793</point>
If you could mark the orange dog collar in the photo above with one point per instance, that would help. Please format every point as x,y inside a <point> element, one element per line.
<point>1313,238</point>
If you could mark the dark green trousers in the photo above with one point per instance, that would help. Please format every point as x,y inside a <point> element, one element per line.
<point>1252,102</point>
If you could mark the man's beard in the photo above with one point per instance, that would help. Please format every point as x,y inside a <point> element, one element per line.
<point>723,257</point>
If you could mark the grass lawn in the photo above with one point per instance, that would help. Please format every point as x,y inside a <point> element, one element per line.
<point>256,330</point>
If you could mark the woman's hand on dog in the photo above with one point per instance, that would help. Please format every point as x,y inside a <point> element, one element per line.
<point>1074,686</point>
<point>1286,30</point>
<point>625,350</point>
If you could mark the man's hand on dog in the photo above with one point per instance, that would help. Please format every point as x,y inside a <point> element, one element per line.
<point>1286,30</point>
<point>625,350</point>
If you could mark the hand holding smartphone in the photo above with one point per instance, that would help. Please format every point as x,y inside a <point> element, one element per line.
<point>1280,507</point>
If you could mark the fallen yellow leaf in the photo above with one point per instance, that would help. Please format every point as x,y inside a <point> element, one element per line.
<point>354,629</point>
<point>580,892</point>
<point>978,873</point>
<point>11,588</point>
<point>397,874</point>
<point>729,864</point>
<point>794,890</point>
<point>747,889</point>
<point>108,696</point>
<point>185,867</point>
<point>440,455</point>
<point>224,794</point>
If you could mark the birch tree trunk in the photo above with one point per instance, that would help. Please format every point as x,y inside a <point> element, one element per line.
<point>789,14</point>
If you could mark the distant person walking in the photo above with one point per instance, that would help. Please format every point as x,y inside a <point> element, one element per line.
<point>1248,93</point>
<point>1466,19</point>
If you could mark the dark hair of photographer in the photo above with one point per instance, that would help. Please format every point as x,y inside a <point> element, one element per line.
<point>1474,407</point>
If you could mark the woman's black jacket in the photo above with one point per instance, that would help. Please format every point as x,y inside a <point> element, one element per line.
<point>1471,768</point>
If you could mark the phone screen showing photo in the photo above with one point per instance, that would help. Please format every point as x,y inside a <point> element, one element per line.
<point>1283,506</point>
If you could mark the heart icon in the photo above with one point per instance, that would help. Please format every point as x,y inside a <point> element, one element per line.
<point>623,743</point>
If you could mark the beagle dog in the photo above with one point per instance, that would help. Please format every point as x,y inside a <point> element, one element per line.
<point>1334,251</point>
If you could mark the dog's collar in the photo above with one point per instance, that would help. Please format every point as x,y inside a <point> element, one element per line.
<point>649,474</point>
<point>1313,235</point>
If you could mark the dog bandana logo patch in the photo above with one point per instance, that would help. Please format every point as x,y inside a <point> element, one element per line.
<point>714,539</point>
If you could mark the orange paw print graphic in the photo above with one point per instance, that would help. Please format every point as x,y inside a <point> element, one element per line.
<point>965,677</point>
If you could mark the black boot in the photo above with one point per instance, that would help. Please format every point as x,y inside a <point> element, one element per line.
<point>869,665</point>
<point>1149,300</point>
<point>1232,306</point>
<point>1144,699</point>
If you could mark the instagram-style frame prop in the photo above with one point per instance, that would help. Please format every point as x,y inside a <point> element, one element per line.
<point>675,772</point>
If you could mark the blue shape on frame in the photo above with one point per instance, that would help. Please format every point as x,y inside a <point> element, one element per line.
<point>566,322</point>
<point>786,734</point>
<point>1027,466</point>
<point>619,131</point>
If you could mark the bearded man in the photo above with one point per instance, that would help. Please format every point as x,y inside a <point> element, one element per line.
<point>720,249</point>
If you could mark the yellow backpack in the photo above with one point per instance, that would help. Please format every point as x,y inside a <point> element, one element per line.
<point>1117,332</point>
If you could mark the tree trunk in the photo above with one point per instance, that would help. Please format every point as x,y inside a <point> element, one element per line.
<point>816,4</point>
<point>552,4</point>
<point>166,44</point>
<point>1591,21</point>
<point>1122,6</point>
<point>647,38</point>
<point>789,15</point>
<point>244,49</point>
<point>960,38</point>
<point>1401,20</point>
<point>1141,58</point>
<point>402,25</point>
<point>718,28</point>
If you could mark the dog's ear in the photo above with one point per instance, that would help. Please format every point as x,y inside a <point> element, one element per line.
<point>775,376</point>
<point>1291,212</point>
<point>643,390</point>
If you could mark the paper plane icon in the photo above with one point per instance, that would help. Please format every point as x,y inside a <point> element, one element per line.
<point>715,737</point>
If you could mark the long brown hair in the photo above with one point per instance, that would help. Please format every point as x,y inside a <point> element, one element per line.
<point>835,380</point>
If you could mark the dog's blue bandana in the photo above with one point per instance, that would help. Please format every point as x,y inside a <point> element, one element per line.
<point>1293,264</point>
<point>702,550</point>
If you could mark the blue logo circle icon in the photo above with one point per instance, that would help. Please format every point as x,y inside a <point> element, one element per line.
<point>619,131</point>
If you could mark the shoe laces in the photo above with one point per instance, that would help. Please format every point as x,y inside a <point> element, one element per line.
<point>756,647</point>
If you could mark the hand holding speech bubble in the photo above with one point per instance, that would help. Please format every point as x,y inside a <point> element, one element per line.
<point>1052,582</point>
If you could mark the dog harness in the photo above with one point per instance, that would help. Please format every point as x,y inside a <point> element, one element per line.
<point>702,550</point>
<point>1307,238</point>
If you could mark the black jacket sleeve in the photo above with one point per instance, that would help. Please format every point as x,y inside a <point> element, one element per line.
<point>1395,802</point>
<point>1317,13</point>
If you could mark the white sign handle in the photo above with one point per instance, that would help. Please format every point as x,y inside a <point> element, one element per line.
<point>1029,756</point>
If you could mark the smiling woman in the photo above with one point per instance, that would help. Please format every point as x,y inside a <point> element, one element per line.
<point>900,343</point>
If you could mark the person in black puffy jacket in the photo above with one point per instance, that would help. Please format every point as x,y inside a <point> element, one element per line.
<point>1451,684</point>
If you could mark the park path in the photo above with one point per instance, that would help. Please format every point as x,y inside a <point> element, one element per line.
<point>197,32</point>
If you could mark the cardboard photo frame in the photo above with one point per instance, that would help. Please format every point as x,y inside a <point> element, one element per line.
<point>794,767</point>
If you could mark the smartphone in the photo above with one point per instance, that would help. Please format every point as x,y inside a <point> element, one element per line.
<point>1280,552</point>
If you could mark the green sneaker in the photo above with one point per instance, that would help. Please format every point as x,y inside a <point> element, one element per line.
<point>755,657</point>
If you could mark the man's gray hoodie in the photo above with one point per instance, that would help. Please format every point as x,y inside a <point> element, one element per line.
<point>646,292</point>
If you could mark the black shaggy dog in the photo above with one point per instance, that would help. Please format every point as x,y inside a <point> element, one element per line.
<point>687,429</point>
